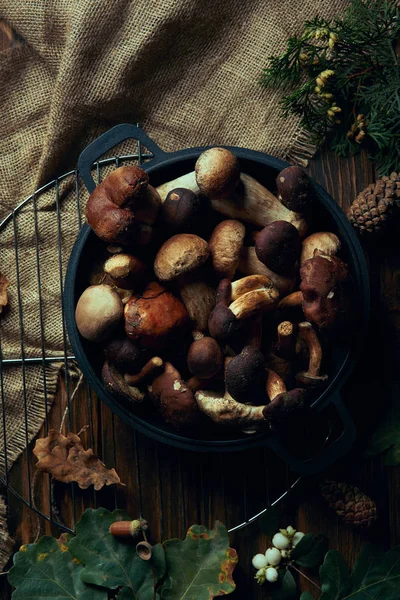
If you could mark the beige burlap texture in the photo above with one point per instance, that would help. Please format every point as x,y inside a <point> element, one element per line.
<point>187,70</point>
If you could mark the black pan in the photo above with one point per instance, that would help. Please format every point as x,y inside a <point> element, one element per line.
<point>165,167</point>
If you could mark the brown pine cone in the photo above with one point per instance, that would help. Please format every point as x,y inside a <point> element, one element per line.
<point>352,505</point>
<point>372,210</point>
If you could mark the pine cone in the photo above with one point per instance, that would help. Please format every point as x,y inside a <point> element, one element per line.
<point>372,210</point>
<point>352,505</point>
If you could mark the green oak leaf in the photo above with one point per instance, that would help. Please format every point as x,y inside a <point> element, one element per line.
<point>310,551</point>
<point>199,567</point>
<point>46,571</point>
<point>387,435</point>
<point>376,576</point>
<point>334,576</point>
<point>112,562</point>
<point>306,596</point>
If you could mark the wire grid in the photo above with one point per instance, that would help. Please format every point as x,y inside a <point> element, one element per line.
<point>68,370</point>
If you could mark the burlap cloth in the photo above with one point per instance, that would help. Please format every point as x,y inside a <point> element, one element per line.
<point>187,70</point>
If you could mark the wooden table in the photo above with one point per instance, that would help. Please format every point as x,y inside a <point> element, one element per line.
<point>176,489</point>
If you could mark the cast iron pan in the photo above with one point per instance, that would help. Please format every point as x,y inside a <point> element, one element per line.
<point>165,167</point>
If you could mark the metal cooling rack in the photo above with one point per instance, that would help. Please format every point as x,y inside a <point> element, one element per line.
<point>63,414</point>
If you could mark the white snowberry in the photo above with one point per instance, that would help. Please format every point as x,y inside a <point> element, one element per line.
<point>273,556</point>
<point>259,561</point>
<point>280,541</point>
<point>271,574</point>
<point>298,536</point>
<point>284,553</point>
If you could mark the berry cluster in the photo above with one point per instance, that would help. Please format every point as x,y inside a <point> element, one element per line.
<point>268,564</point>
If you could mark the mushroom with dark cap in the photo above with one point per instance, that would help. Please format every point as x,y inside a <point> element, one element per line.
<point>293,186</point>
<point>278,247</point>
<point>250,265</point>
<point>285,407</point>
<point>245,376</point>
<point>125,355</point>
<point>324,281</point>
<point>174,399</point>
<point>182,211</point>
<point>311,377</point>
<point>205,358</point>
<point>222,323</point>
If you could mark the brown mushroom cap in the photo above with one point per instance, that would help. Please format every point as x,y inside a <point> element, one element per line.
<point>155,317</point>
<point>98,312</point>
<point>293,186</point>
<point>285,409</point>
<point>226,243</point>
<point>182,210</point>
<point>278,247</point>
<point>205,358</point>
<point>180,254</point>
<point>125,355</point>
<point>322,242</point>
<point>245,376</point>
<point>217,172</point>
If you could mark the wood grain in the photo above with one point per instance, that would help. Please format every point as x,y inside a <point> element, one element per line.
<point>173,489</point>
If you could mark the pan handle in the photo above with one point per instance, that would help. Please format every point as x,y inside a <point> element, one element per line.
<point>327,456</point>
<point>109,140</point>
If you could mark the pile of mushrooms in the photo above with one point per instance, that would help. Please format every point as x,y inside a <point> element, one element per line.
<point>210,300</point>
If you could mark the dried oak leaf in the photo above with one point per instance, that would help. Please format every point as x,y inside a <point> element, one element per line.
<point>4,283</point>
<point>66,460</point>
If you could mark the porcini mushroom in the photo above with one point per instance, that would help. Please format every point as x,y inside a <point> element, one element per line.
<point>226,243</point>
<point>123,207</point>
<point>174,398</point>
<point>222,323</point>
<point>98,312</point>
<point>293,186</point>
<point>311,377</point>
<point>199,300</point>
<point>245,376</point>
<point>124,270</point>
<point>278,247</point>
<point>114,382</point>
<point>285,407</point>
<point>155,317</point>
<point>322,242</point>
<point>180,254</point>
<point>248,284</point>
<point>250,265</point>
<point>217,172</point>
<point>205,358</point>
<point>124,355</point>
<point>182,211</point>
<point>324,281</point>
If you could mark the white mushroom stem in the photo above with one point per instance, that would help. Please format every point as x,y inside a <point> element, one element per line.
<point>152,365</point>
<point>274,384</point>
<point>251,202</point>
<point>322,242</point>
<point>294,299</point>
<point>250,265</point>
<point>225,410</point>
<point>255,302</point>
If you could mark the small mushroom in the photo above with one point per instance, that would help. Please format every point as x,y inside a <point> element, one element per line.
<point>114,382</point>
<point>245,376</point>
<point>182,211</point>
<point>150,368</point>
<point>248,284</point>
<point>322,242</point>
<point>222,323</point>
<point>98,312</point>
<point>324,282</point>
<point>217,172</point>
<point>311,377</point>
<point>199,300</point>
<point>293,186</point>
<point>174,399</point>
<point>278,247</point>
<point>180,254</point>
<point>155,317</point>
<point>250,265</point>
<point>124,270</point>
<point>226,243</point>
<point>225,410</point>
<point>124,355</point>
<point>205,358</point>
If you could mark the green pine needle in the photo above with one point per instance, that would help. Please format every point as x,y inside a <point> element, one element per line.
<point>342,78</point>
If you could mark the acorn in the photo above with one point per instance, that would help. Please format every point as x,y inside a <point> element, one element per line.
<point>128,528</point>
